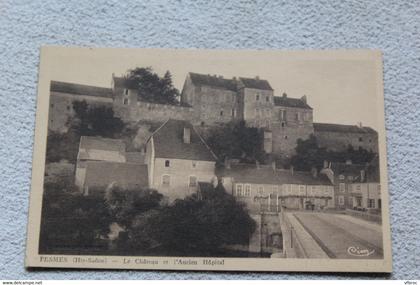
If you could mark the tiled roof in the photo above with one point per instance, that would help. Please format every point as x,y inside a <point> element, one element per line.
<point>290,102</point>
<point>134,157</point>
<point>213,81</point>
<point>103,173</point>
<point>169,143</point>
<point>100,143</point>
<point>79,89</point>
<point>322,127</point>
<point>255,83</point>
<point>246,173</point>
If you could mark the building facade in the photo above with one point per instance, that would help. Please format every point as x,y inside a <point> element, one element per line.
<point>178,159</point>
<point>338,137</point>
<point>267,189</point>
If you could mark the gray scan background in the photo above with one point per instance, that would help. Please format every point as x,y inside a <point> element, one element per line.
<point>392,26</point>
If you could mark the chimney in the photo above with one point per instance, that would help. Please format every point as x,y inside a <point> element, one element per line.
<point>273,165</point>
<point>187,135</point>
<point>234,78</point>
<point>362,175</point>
<point>227,163</point>
<point>284,95</point>
<point>314,172</point>
<point>348,161</point>
<point>304,99</point>
<point>221,76</point>
<point>257,77</point>
<point>292,169</point>
<point>359,124</point>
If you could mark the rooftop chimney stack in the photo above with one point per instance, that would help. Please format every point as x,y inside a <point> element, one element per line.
<point>359,124</point>
<point>187,135</point>
<point>257,77</point>
<point>304,99</point>
<point>284,95</point>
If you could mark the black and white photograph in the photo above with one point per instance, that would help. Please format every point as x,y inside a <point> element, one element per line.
<point>210,160</point>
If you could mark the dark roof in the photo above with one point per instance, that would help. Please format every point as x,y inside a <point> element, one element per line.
<point>213,81</point>
<point>247,173</point>
<point>255,83</point>
<point>101,143</point>
<point>290,102</point>
<point>79,89</point>
<point>168,142</point>
<point>134,157</point>
<point>322,127</point>
<point>103,173</point>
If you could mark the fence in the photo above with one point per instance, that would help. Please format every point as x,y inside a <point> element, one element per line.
<point>365,216</point>
<point>291,243</point>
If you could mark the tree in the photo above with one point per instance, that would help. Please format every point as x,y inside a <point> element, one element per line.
<point>195,226</point>
<point>125,204</point>
<point>236,140</point>
<point>95,121</point>
<point>309,154</point>
<point>151,87</point>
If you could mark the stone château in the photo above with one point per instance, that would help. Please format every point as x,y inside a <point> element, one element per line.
<point>211,100</point>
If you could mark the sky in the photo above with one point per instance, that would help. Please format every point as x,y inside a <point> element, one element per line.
<point>341,87</point>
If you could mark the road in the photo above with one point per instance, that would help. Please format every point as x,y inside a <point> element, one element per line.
<point>343,237</point>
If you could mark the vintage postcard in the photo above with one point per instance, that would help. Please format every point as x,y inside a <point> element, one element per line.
<point>222,160</point>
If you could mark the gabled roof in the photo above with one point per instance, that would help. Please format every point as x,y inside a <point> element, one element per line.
<point>323,127</point>
<point>168,142</point>
<point>213,81</point>
<point>134,157</point>
<point>103,173</point>
<point>290,102</point>
<point>247,173</point>
<point>99,143</point>
<point>255,83</point>
<point>79,89</point>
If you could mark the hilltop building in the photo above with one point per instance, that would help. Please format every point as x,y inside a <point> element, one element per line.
<point>210,100</point>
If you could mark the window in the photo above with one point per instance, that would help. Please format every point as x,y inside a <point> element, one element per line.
<point>221,113</point>
<point>192,181</point>
<point>283,124</point>
<point>285,137</point>
<point>260,190</point>
<point>358,187</point>
<point>371,203</point>
<point>297,117</point>
<point>342,187</point>
<point>193,164</point>
<point>247,192</point>
<point>360,139</point>
<point>239,190</point>
<point>125,91</point>
<point>350,178</point>
<point>341,200</point>
<point>166,180</point>
<point>125,102</point>
<point>283,115</point>
<point>167,163</point>
<point>341,177</point>
<point>302,189</point>
<point>233,112</point>
<point>68,107</point>
<point>257,97</point>
<point>267,99</point>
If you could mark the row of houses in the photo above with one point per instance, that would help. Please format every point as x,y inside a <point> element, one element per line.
<point>177,162</point>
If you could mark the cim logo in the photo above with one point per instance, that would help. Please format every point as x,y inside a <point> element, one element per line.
<point>357,251</point>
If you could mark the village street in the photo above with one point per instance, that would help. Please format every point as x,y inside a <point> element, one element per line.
<point>343,236</point>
